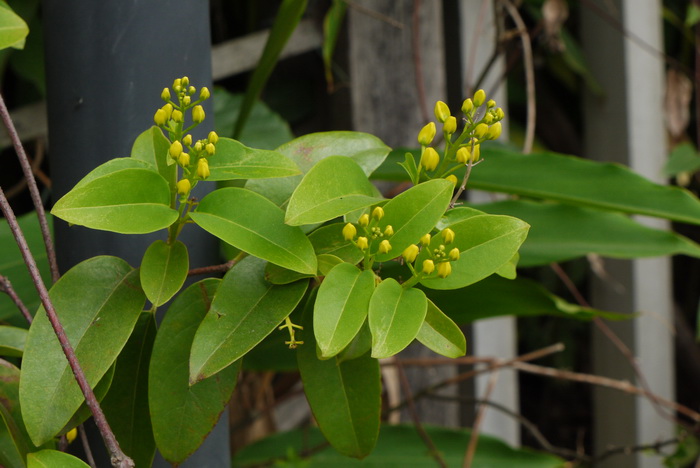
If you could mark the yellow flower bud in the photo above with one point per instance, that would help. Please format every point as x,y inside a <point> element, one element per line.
<point>452,178</point>
<point>378,213</point>
<point>177,116</point>
<point>184,186</point>
<point>442,112</point>
<point>198,114</point>
<point>364,220</point>
<point>389,230</point>
<point>444,269</point>
<point>410,253</point>
<point>450,125</point>
<point>480,130</point>
<point>463,155</point>
<point>203,168</point>
<point>454,254</point>
<point>160,117</point>
<point>488,118</point>
<point>362,243</point>
<point>204,93</point>
<point>500,114</point>
<point>430,159</point>
<point>211,149</point>
<point>165,95</point>
<point>175,149</point>
<point>187,140</point>
<point>213,138</point>
<point>427,133</point>
<point>425,240</point>
<point>428,266</point>
<point>467,106</point>
<point>475,154</point>
<point>349,231</point>
<point>384,247</point>
<point>168,108</point>
<point>184,81</point>
<point>448,235</point>
<point>186,100</point>
<point>184,159</point>
<point>191,90</point>
<point>479,97</point>
<point>494,131</point>
<point>71,435</point>
<point>491,103</point>
<point>198,147</point>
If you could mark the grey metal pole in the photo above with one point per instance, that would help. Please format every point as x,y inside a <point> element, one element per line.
<point>106,64</point>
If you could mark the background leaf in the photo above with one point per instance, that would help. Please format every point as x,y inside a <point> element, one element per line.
<point>13,29</point>
<point>52,459</point>
<point>12,341</point>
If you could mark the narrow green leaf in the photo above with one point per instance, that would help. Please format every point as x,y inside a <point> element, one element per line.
<point>414,213</point>
<point>164,270</point>
<point>245,309</point>
<point>98,302</point>
<point>12,341</point>
<point>341,307</point>
<point>411,169</point>
<point>395,317</point>
<point>13,29</point>
<point>255,225</point>
<point>322,194</point>
<point>129,201</point>
<point>53,459</point>
<point>126,403</point>
<point>233,160</point>
<point>183,415</point>
<point>332,23</point>
<point>441,334</point>
<point>486,243</point>
<point>152,147</point>
<point>345,397</point>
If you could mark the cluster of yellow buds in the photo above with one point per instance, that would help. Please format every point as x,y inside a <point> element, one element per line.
<point>371,231</point>
<point>172,115</point>
<point>440,257</point>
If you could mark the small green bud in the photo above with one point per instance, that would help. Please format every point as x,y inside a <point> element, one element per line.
<point>184,186</point>
<point>454,254</point>
<point>430,159</point>
<point>384,247</point>
<point>491,103</point>
<point>467,106</point>
<point>364,220</point>
<point>204,93</point>
<point>210,148</point>
<point>428,266</point>
<point>160,117</point>
<point>349,231</point>
<point>203,168</point>
<point>165,95</point>
<point>427,133</point>
<point>410,253</point>
<point>184,159</point>
<point>187,140</point>
<point>389,230</point>
<point>213,137</point>
<point>442,112</point>
<point>479,97</point>
<point>494,131</point>
<point>425,240</point>
<point>444,269</point>
<point>175,149</point>
<point>450,125</point>
<point>481,130</point>
<point>378,213</point>
<point>362,243</point>
<point>198,114</point>
<point>177,116</point>
<point>448,235</point>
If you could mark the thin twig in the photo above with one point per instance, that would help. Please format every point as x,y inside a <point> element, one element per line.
<point>86,446</point>
<point>6,287</point>
<point>406,387</point>
<point>223,268</point>
<point>529,74</point>
<point>440,361</point>
<point>463,185</point>
<point>626,450</point>
<point>418,62</point>
<point>474,436</point>
<point>118,458</point>
<point>33,189</point>
<point>374,14</point>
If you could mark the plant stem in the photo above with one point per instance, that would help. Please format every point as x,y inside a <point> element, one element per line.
<point>6,287</point>
<point>118,458</point>
<point>33,189</point>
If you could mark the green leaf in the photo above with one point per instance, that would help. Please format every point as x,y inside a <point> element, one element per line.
<point>286,21</point>
<point>440,334</point>
<point>255,225</point>
<point>563,232</point>
<point>84,413</point>
<point>233,160</point>
<point>13,29</point>
<point>164,270</point>
<point>129,201</point>
<point>111,166</point>
<point>456,215</point>
<point>395,317</point>
<point>245,309</point>
<point>521,297</point>
<point>692,16</point>
<point>345,397</point>
<point>152,147</point>
<point>332,23</point>
<point>683,158</point>
<point>333,187</point>
<point>12,341</point>
<point>14,441</point>
<point>326,262</point>
<point>183,415</point>
<point>98,302</point>
<point>126,403</point>
<point>341,307</point>
<point>275,274</point>
<point>486,243</point>
<point>411,169</point>
<point>53,459</point>
<point>412,214</point>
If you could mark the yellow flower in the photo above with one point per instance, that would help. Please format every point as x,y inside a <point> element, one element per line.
<point>165,95</point>
<point>187,140</point>
<point>203,168</point>
<point>184,186</point>
<point>364,220</point>
<point>499,114</point>
<point>186,100</point>
<point>491,103</point>
<point>73,433</point>
<point>479,97</point>
<point>454,254</point>
<point>475,154</point>
<point>444,269</point>
<point>175,149</point>
<point>362,243</point>
<point>184,159</point>
<point>442,112</point>
<point>410,253</point>
<point>463,155</point>
<point>430,159</point>
<point>428,266</point>
<point>448,235</point>
<point>427,133</point>
<point>450,125</point>
<point>185,81</point>
<point>198,114</point>
<point>494,131</point>
<point>204,93</point>
<point>211,149</point>
<point>160,117</point>
<point>177,84</point>
<point>389,230</point>
<point>452,178</point>
<point>467,106</point>
<point>378,213</point>
<point>384,247</point>
<point>481,130</point>
<point>177,116</point>
<point>168,108</point>
<point>213,137</point>
<point>425,240</point>
<point>349,231</point>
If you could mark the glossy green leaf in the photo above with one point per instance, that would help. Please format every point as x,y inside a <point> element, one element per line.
<point>341,307</point>
<point>84,413</point>
<point>245,309</point>
<point>164,270</point>
<point>233,160</point>
<point>333,187</point>
<point>129,201</point>
<point>98,302</point>
<point>456,215</point>
<point>183,415</point>
<point>53,459</point>
<point>409,164</point>
<point>359,346</point>
<point>486,243</point>
<point>414,213</point>
<point>326,262</point>
<point>395,317</point>
<point>521,297</point>
<point>332,23</point>
<point>14,441</point>
<point>113,165</point>
<point>12,341</point>
<point>255,225</point>
<point>126,404</point>
<point>13,29</point>
<point>345,397</point>
<point>275,274</point>
<point>440,334</point>
<point>366,150</point>
<point>152,147</point>
<point>329,240</point>
<point>563,232</point>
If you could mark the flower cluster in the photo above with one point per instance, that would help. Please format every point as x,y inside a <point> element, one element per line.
<point>370,231</point>
<point>439,257</point>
